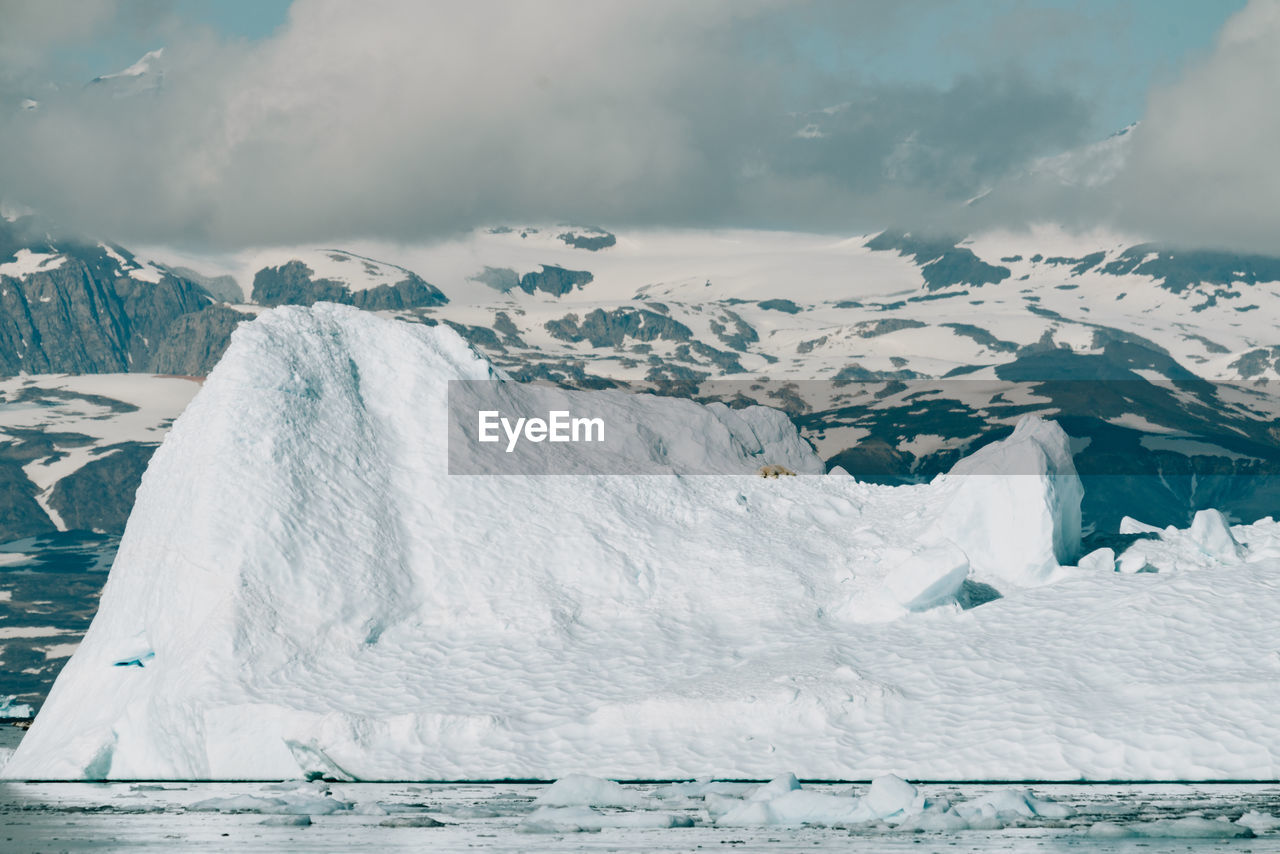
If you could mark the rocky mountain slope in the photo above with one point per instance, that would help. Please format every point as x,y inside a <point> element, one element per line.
<point>896,354</point>
<point>68,306</point>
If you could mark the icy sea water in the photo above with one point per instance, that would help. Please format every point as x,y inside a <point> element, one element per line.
<point>52,817</point>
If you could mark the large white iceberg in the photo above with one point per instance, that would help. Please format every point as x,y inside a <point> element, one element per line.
<point>303,589</point>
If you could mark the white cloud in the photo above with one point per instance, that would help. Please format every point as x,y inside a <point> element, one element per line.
<point>1204,167</point>
<point>407,120</point>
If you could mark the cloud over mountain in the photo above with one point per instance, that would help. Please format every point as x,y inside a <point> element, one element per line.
<point>409,121</point>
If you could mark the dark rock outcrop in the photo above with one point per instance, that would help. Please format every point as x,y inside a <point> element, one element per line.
<point>591,239</point>
<point>82,316</point>
<point>553,280</point>
<point>20,515</point>
<point>195,342</point>
<point>99,495</point>
<point>942,262</point>
<point>1178,270</point>
<point>740,337</point>
<point>612,328</point>
<point>294,283</point>
<point>784,305</point>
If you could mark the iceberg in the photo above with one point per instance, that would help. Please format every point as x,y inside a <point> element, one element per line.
<point>303,590</point>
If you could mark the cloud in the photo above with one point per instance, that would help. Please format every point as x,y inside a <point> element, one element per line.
<point>408,120</point>
<point>31,28</point>
<point>1203,167</point>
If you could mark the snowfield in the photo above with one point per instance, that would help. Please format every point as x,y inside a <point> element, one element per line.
<point>304,590</point>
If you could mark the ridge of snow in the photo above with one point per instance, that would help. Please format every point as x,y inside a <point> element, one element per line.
<point>143,66</point>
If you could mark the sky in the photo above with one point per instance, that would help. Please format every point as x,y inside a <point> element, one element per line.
<point>270,122</point>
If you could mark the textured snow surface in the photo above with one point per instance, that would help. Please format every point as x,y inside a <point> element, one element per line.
<point>302,589</point>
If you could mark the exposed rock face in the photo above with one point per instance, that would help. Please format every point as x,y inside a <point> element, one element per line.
<point>99,495</point>
<point>295,283</point>
<point>1181,269</point>
<point>195,342</point>
<point>62,320</point>
<point>785,305</point>
<point>68,307</point>
<point>292,284</point>
<point>591,239</point>
<point>612,328</point>
<point>553,280</point>
<point>225,288</point>
<point>740,337</point>
<point>20,515</point>
<point>942,262</point>
<point>411,293</point>
<point>74,320</point>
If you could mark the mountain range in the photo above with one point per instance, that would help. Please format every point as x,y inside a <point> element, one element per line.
<point>895,353</point>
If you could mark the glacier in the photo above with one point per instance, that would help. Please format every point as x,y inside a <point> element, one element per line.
<point>303,590</point>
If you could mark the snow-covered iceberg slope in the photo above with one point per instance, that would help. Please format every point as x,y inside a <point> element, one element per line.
<point>303,589</point>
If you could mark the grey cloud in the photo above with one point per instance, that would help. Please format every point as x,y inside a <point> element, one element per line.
<point>408,120</point>
<point>1204,166</point>
<point>31,27</point>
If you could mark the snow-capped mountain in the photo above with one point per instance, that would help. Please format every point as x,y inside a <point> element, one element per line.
<point>1087,167</point>
<point>146,76</point>
<point>895,353</point>
<point>73,306</point>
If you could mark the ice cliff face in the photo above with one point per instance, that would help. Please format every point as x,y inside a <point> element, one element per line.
<point>303,589</point>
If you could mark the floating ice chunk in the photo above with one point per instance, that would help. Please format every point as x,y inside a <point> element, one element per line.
<point>936,817</point>
<point>718,804</point>
<point>701,788</point>
<point>890,800</point>
<point>1259,822</point>
<point>583,790</point>
<point>1006,803</point>
<point>418,820</point>
<point>1134,560</point>
<point>1130,525</point>
<point>889,795</point>
<point>581,818</point>
<point>1209,531</point>
<point>1016,511</point>
<point>1099,560</point>
<point>775,787</point>
<point>287,821</point>
<point>11,708</point>
<point>1108,830</point>
<point>239,803</point>
<point>1209,541</point>
<point>1189,827</point>
<point>300,802</point>
<point>1048,808</point>
<point>799,807</point>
